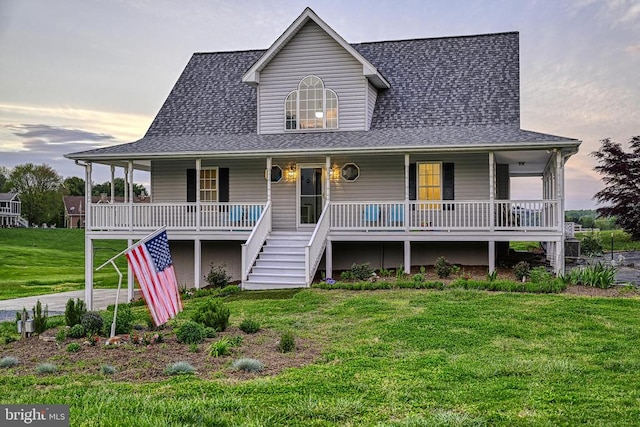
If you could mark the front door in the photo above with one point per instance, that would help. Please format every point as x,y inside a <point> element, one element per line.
<point>310,190</point>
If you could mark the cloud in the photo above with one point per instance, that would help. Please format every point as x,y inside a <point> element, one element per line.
<point>56,134</point>
<point>632,48</point>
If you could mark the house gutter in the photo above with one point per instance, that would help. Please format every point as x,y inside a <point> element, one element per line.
<point>347,150</point>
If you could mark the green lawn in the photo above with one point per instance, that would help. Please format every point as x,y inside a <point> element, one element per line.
<point>621,241</point>
<point>39,261</point>
<point>394,358</point>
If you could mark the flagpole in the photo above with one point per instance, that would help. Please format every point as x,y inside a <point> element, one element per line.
<point>138,243</point>
<point>115,310</point>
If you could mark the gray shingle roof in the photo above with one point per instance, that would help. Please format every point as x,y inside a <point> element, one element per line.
<point>445,92</point>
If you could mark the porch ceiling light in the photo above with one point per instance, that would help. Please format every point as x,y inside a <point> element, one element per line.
<point>521,163</point>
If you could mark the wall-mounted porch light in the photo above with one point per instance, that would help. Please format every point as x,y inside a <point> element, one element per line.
<point>292,173</point>
<point>334,172</point>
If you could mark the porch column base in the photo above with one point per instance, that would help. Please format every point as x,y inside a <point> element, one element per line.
<point>328,259</point>
<point>88,273</point>
<point>492,256</point>
<point>407,256</point>
<point>197,263</point>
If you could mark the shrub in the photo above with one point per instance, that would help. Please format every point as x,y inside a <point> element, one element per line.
<point>180,368</point>
<point>346,276</point>
<point>443,267</point>
<point>419,278</point>
<point>61,335</point>
<point>540,275</point>
<point>210,332</point>
<point>73,347</point>
<point>40,318</point>
<point>190,333</point>
<point>222,347</point>
<point>213,314</point>
<point>287,342</point>
<point>247,365</point>
<point>521,270</point>
<point>249,326</point>
<point>92,322</point>
<point>46,368</point>
<point>193,348</point>
<point>74,311</point>
<point>591,245</point>
<point>76,331</point>
<point>8,362</point>
<point>361,271</point>
<point>107,370</point>
<point>124,320</point>
<point>218,276</point>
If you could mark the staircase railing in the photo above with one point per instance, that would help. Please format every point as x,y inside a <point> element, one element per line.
<point>251,248</point>
<point>313,251</point>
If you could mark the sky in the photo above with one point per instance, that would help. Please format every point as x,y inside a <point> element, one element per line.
<point>82,74</point>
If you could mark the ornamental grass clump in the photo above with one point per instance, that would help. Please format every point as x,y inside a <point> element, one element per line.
<point>180,368</point>
<point>107,370</point>
<point>8,362</point>
<point>46,368</point>
<point>248,365</point>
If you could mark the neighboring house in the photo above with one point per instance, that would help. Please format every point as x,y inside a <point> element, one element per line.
<point>316,154</point>
<point>74,207</point>
<point>10,210</point>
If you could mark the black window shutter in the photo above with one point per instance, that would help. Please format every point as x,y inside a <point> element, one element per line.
<point>447,182</point>
<point>413,183</point>
<point>448,185</point>
<point>191,185</point>
<point>223,185</point>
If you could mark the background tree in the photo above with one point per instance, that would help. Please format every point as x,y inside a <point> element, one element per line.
<point>74,186</point>
<point>40,189</point>
<point>620,172</point>
<point>118,183</point>
<point>4,180</point>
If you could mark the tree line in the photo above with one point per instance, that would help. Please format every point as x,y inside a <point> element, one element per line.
<point>41,190</point>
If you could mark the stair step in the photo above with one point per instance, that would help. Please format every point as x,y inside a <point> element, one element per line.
<point>280,263</point>
<point>277,270</point>
<point>277,278</point>
<point>257,286</point>
<point>282,250</point>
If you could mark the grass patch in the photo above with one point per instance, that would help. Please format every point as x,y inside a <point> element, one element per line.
<point>394,358</point>
<point>26,268</point>
<point>621,240</point>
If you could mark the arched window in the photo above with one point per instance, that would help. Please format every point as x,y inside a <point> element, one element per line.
<point>311,106</point>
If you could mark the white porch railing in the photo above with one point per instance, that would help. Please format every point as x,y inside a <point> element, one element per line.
<point>10,208</point>
<point>251,248</point>
<point>314,250</point>
<point>177,216</point>
<point>513,215</point>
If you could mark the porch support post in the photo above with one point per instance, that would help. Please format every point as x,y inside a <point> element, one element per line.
<point>560,198</point>
<point>407,256</point>
<point>268,177</point>
<point>113,184</point>
<point>130,170</point>
<point>198,167</point>
<point>328,178</point>
<point>126,184</point>
<point>492,192</point>
<point>197,262</point>
<point>328,259</point>
<point>492,256</point>
<point>130,281</point>
<point>88,243</point>
<point>406,192</point>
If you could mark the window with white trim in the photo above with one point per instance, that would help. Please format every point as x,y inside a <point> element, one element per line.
<point>311,106</point>
<point>209,184</point>
<point>430,181</point>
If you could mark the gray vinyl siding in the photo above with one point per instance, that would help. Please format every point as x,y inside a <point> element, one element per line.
<point>312,52</point>
<point>381,179</point>
<point>372,95</point>
<point>246,179</point>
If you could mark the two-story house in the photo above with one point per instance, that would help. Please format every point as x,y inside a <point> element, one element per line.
<point>316,154</point>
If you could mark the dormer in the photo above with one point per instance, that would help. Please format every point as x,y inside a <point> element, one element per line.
<point>312,80</point>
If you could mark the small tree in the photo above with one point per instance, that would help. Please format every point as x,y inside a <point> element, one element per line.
<point>620,172</point>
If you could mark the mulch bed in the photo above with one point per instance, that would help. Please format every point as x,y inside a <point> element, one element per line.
<point>144,363</point>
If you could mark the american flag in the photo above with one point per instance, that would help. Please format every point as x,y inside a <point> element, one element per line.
<point>152,265</point>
